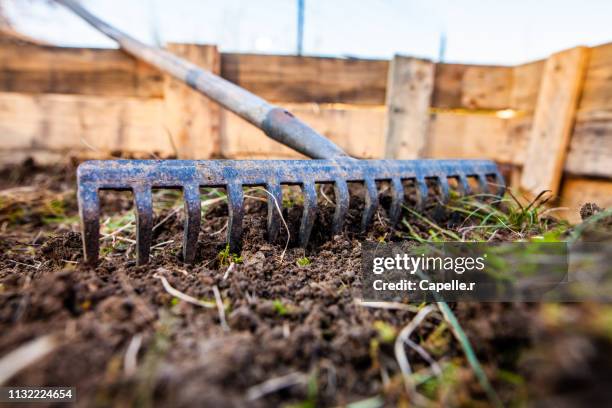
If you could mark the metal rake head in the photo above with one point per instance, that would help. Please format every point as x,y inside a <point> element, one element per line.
<point>141,176</point>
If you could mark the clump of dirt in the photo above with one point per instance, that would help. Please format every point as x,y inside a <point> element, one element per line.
<point>588,210</point>
<point>62,248</point>
<point>597,226</point>
<point>277,326</point>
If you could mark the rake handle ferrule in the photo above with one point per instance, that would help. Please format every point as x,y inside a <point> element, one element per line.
<point>276,123</point>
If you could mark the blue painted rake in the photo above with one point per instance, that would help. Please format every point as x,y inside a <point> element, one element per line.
<point>333,166</point>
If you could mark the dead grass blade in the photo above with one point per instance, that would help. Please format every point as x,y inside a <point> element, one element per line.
<point>130,360</point>
<point>26,355</point>
<point>276,384</point>
<point>183,296</point>
<point>220,308</point>
<point>280,213</point>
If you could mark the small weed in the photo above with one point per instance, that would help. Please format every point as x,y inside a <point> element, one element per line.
<point>510,377</point>
<point>312,390</point>
<point>16,215</point>
<point>303,261</point>
<point>280,308</point>
<point>386,332</point>
<point>484,216</point>
<point>226,258</point>
<point>106,250</point>
<point>55,207</point>
<point>439,339</point>
<point>435,386</point>
<point>175,301</point>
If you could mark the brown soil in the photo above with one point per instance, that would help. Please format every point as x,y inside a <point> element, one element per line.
<point>282,318</point>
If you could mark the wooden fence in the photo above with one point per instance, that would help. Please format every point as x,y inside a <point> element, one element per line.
<point>548,123</point>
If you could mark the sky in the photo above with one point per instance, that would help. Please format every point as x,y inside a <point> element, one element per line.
<point>476,31</point>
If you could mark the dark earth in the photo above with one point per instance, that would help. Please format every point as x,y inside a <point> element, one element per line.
<point>122,339</point>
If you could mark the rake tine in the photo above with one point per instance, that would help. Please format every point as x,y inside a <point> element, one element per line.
<point>89,211</point>
<point>465,185</point>
<point>482,183</point>
<point>423,191</point>
<point>444,188</point>
<point>235,204</point>
<point>191,196</point>
<point>143,201</point>
<point>501,184</point>
<point>310,212</point>
<point>342,205</point>
<point>274,218</point>
<point>371,203</point>
<point>397,198</point>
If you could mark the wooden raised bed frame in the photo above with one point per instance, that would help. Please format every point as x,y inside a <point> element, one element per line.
<point>549,122</point>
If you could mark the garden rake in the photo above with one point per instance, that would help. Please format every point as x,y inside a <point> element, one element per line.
<point>332,166</point>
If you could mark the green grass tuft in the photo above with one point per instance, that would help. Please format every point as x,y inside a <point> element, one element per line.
<point>280,308</point>
<point>226,258</point>
<point>303,261</point>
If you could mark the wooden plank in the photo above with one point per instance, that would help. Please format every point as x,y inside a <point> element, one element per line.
<point>78,122</point>
<point>485,87</point>
<point>472,86</point>
<point>46,69</point>
<point>408,98</point>
<point>192,119</point>
<point>597,89</point>
<point>360,131</point>
<point>553,120</point>
<point>281,78</point>
<point>590,151</point>
<point>526,80</point>
<point>578,191</point>
<point>29,68</point>
<point>336,80</point>
<point>476,136</point>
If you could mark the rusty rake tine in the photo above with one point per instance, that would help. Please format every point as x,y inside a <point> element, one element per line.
<point>397,199</point>
<point>143,202</point>
<point>274,218</point>
<point>371,203</point>
<point>191,196</point>
<point>310,212</point>
<point>89,210</point>
<point>423,191</point>
<point>235,204</point>
<point>342,205</point>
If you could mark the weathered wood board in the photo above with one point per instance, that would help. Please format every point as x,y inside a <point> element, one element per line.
<point>597,88</point>
<point>476,136</point>
<point>191,119</point>
<point>86,71</point>
<point>308,79</point>
<point>359,131</point>
<point>411,84</point>
<point>80,122</point>
<point>553,120</point>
